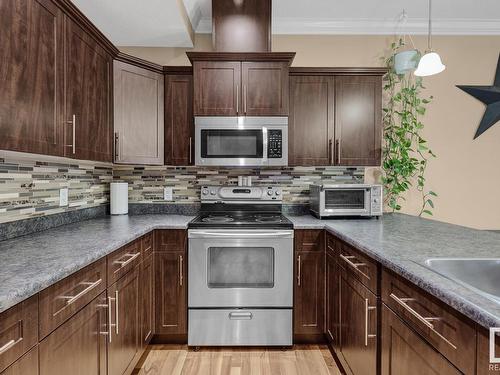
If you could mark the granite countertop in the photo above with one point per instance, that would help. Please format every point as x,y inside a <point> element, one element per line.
<point>34,262</point>
<point>399,242</point>
<point>402,243</point>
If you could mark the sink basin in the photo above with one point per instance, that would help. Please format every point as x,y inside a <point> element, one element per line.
<point>481,275</point>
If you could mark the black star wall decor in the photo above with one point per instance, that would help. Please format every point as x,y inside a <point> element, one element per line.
<point>489,95</point>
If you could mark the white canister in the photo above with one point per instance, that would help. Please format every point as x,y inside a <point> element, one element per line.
<point>119,198</point>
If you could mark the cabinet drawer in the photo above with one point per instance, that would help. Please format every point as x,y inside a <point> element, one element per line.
<point>123,260</point>
<point>309,240</point>
<point>18,331</point>
<point>362,267</point>
<point>62,300</point>
<point>26,365</point>
<point>332,245</point>
<point>147,245</point>
<point>170,240</point>
<point>450,334</point>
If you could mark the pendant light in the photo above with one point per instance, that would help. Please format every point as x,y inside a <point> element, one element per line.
<point>430,63</point>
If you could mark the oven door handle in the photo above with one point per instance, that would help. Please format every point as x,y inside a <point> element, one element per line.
<point>240,234</point>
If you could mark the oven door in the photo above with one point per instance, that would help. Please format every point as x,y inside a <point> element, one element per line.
<point>240,268</point>
<point>348,201</point>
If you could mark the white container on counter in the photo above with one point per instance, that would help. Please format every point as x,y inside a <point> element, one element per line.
<point>119,198</point>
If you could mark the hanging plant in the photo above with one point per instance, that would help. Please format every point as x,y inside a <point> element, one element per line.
<point>405,151</point>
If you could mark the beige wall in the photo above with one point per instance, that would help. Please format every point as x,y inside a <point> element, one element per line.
<point>466,174</point>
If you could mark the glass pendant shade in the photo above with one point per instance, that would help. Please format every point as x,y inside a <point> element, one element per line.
<point>429,64</point>
<point>406,61</point>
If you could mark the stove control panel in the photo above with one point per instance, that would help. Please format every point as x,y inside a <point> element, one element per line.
<point>228,194</point>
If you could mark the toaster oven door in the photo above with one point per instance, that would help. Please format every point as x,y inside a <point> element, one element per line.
<point>346,201</point>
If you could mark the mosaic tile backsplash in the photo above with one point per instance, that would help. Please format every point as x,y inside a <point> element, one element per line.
<point>146,183</point>
<point>30,188</point>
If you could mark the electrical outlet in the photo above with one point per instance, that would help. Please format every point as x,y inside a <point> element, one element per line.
<point>168,194</point>
<point>63,197</point>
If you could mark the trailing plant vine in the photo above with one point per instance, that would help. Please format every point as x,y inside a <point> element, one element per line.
<point>405,151</point>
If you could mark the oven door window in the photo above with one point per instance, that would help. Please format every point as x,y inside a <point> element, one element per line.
<point>345,199</point>
<point>240,267</point>
<point>231,143</point>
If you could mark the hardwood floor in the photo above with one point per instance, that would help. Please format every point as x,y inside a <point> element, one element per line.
<point>179,360</point>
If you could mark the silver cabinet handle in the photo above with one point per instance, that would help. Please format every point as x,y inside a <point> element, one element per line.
<point>337,147</point>
<point>240,315</point>
<point>116,311</point>
<point>347,259</point>
<point>130,259</point>
<point>181,271</point>
<point>237,99</point>
<point>299,276</point>
<point>72,299</point>
<point>330,151</point>
<point>117,146</point>
<point>110,318</point>
<point>426,321</point>
<point>190,149</point>
<point>245,94</point>
<point>368,308</point>
<point>7,346</point>
<point>73,125</point>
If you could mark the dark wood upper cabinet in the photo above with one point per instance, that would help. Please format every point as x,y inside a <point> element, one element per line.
<point>170,293</point>
<point>217,88</point>
<point>358,120</point>
<point>265,88</point>
<point>88,120</point>
<point>80,343</point>
<point>252,19</point>
<point>125,328</point>
<point>179,126</point>
<point>311,121</point>
<point>31,76</point>
<point>358,326</point>
<point>405,352</point>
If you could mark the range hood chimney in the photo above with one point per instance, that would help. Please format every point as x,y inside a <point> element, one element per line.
<point>241,25</point>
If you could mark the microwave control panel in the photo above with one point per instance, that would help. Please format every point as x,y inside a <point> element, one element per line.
<point>274,145</point>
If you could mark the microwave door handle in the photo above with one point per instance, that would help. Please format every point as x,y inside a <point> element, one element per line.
<point>265,141</point>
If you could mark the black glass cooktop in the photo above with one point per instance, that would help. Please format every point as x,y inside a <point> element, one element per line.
<point>263,220</point>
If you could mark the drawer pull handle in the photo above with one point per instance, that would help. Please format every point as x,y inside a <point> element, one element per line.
<point>181,270</point>
<point>130,259</point>
<point>110,318</point>
<point>426,321</point>
<point>73,299</point>
<point>299,276</point>
<point>240,315</point>
<point>116,312</point>
<point>347,259</point>
<point>368,308</point>
<point>7,346</point>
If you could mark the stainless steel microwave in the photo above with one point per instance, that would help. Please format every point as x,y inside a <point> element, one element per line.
<point>241,141</point>
<point>346,200</point>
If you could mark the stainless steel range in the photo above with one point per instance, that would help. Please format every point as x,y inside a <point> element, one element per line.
<point>240,268</point>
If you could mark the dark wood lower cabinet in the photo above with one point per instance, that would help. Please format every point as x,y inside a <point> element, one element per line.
<point>125,325</point>
<point>26,365</point>
<point>309,292</point>
<point>405,352</point>
<point>484,367</point>
<point>170,292</point>
<point>358,326</point>
<point>332,302</point>
<point>147,298</point>
<point>79,345</point>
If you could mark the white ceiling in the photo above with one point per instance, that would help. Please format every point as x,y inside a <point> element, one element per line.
<point>163,23</point>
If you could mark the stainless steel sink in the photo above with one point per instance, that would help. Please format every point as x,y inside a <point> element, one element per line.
<point>481,275</point>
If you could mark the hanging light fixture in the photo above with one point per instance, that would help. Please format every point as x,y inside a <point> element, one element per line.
<point>430,63</point>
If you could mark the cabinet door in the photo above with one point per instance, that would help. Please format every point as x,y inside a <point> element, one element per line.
<point>26,365</point>
<point>80,343</point>
<point>358,326</point>
<point>358,120</point>
<point>170,293</point>
<point>217,88</point>
<point>88,123</point>
<point>146,302</point>
<point>484,367</point>
<point>405,352</point>
<point>311,122</point>
<point>138,114</point>
<point>31,76</point>
<point>265,88</point>
<point>179,130</point>
<point>123,296</point>
<point>332,300</point>
<point>309,292</point>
